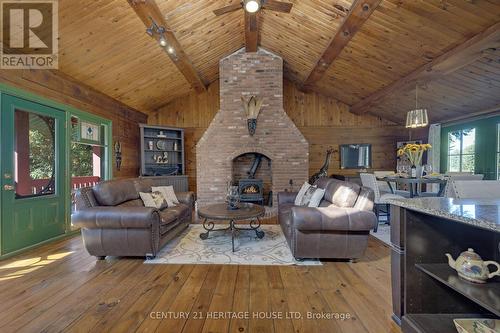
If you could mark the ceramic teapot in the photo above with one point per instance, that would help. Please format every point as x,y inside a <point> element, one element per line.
<point>471,267</point>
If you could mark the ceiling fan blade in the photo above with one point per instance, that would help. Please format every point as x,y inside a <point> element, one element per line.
<point>228,9</point>
<point>284,7</point>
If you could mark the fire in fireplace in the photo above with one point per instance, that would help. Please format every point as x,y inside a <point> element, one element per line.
<point>251,190</point>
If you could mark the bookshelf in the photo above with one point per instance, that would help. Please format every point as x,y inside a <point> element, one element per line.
<point>162,151</point>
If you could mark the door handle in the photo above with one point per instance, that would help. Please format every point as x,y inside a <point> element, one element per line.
<point>8,188</point>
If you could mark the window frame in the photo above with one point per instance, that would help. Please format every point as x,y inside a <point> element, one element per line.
<point>461,149</point>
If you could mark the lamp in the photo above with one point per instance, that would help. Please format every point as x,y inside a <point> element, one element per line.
<point>417,117</point>
<point>252,6</point>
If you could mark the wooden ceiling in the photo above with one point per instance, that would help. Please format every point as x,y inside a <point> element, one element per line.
<point>104,44</point>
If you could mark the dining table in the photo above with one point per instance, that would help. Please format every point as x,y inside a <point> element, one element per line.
<point>414,184</point>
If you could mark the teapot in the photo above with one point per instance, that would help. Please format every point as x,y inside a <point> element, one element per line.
<point>471,267</point>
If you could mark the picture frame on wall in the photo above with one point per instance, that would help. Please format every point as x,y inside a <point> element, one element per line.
<point>89,131</point>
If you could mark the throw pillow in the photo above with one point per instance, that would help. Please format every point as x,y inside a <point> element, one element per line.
<point>316,198</point>
<point>300,195</point>
<point>153,200</point>
<point>168,193</point>
<point>307,196</point>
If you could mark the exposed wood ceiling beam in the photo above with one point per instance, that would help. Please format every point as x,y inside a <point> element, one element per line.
<point>483,44</point>
<point>148,10</point>
<point>360,11</point>
<point>251,31</point>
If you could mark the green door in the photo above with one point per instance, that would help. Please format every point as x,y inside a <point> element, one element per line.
<point>33,145</point>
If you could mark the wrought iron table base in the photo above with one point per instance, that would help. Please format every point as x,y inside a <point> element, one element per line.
<point>210,226</point>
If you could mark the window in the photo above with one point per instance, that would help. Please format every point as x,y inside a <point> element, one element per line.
<point>35,154</point>
<point>462,150</point>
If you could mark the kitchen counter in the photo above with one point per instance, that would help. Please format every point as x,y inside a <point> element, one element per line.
<point>481,213</point>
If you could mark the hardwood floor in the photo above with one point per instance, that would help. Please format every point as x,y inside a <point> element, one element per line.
<point>59,287</point>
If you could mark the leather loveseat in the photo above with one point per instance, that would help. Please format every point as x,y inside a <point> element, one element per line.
<point>339,228</point>
<point>114,221</point>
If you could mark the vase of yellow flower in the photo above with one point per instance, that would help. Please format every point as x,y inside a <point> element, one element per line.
<point>415,152</point>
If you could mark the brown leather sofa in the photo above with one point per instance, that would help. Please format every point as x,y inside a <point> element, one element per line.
<point>114,221</point>
<point>339,228</point>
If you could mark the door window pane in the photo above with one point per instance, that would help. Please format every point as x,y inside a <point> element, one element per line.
<point>34,160</point>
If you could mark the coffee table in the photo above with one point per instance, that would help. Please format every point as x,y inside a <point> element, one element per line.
<point>220,212</point>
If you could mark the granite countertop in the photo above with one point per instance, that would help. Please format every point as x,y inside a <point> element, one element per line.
<point>481,213</point>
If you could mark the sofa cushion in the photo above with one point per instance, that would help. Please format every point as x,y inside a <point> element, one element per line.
<point>342,194</point>
<point>177,212</point>
<point>132,203</point>
<point>115,192</point>
<point>171,217</point>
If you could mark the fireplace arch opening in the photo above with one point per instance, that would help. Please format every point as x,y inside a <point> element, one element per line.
<point>252,173</point>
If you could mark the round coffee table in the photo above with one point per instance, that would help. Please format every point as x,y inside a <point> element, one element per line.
<point>219,212</point>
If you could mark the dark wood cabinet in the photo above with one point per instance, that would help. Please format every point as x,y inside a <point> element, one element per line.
<point>427,293</point>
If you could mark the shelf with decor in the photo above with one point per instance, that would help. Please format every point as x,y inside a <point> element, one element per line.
<point>162,151</point>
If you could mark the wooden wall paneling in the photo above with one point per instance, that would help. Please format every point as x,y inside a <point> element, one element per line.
<point>61,88</point>
<point>324,121</point>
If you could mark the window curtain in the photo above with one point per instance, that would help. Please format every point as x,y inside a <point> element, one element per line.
<point>434,155</point>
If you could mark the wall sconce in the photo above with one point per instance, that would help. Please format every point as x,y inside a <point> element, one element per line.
<point>118,155</point>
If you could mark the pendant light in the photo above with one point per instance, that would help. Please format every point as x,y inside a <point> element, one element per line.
<point>417,117</point>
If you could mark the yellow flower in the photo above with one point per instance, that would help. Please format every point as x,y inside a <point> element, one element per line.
<point>401,152</point>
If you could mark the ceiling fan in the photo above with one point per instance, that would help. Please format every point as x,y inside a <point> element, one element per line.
<point>253,6</point>
<point>251,9</point>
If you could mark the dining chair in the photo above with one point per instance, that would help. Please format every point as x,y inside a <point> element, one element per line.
<point>449,189</point>
<point>476,189</point>
<point>384,186</point>
<point>381,199</point>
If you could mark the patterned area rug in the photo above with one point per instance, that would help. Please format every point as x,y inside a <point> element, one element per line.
<point>188,248</point>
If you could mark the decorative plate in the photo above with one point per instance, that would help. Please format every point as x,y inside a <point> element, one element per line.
<point>161,145</point>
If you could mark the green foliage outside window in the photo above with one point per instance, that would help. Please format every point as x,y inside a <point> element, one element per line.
<point>81,160</point>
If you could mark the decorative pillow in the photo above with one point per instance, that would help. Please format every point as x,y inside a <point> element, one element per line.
<point>153,200</point>
<point>168,194</point>
<point>300,195</point>
<point>316,198</point>
<point>307,196</point>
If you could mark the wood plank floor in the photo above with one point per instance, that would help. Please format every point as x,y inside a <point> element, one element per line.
<point>59,287</point>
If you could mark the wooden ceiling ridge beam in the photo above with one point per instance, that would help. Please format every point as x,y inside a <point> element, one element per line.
<point>484,44</point>
<point>251,31</point>
<point>148,11</point>
<point>359,13</point>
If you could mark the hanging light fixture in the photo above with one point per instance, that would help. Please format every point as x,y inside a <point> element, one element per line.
<point>417,117</point>
<point>252,6</point>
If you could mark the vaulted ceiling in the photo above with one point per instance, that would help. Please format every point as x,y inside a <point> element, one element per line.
<point>104,44</point>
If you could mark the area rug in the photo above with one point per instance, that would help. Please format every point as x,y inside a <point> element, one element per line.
<point>383,233</point>
<point>189,248</point>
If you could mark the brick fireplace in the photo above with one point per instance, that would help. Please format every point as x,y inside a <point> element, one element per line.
<point>227,137</point>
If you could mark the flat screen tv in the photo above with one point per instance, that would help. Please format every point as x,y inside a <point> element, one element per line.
<point>356,156</point>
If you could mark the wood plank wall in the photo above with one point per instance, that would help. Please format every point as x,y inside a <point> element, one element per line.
<point>324,121</point>
<point>61,88</point>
